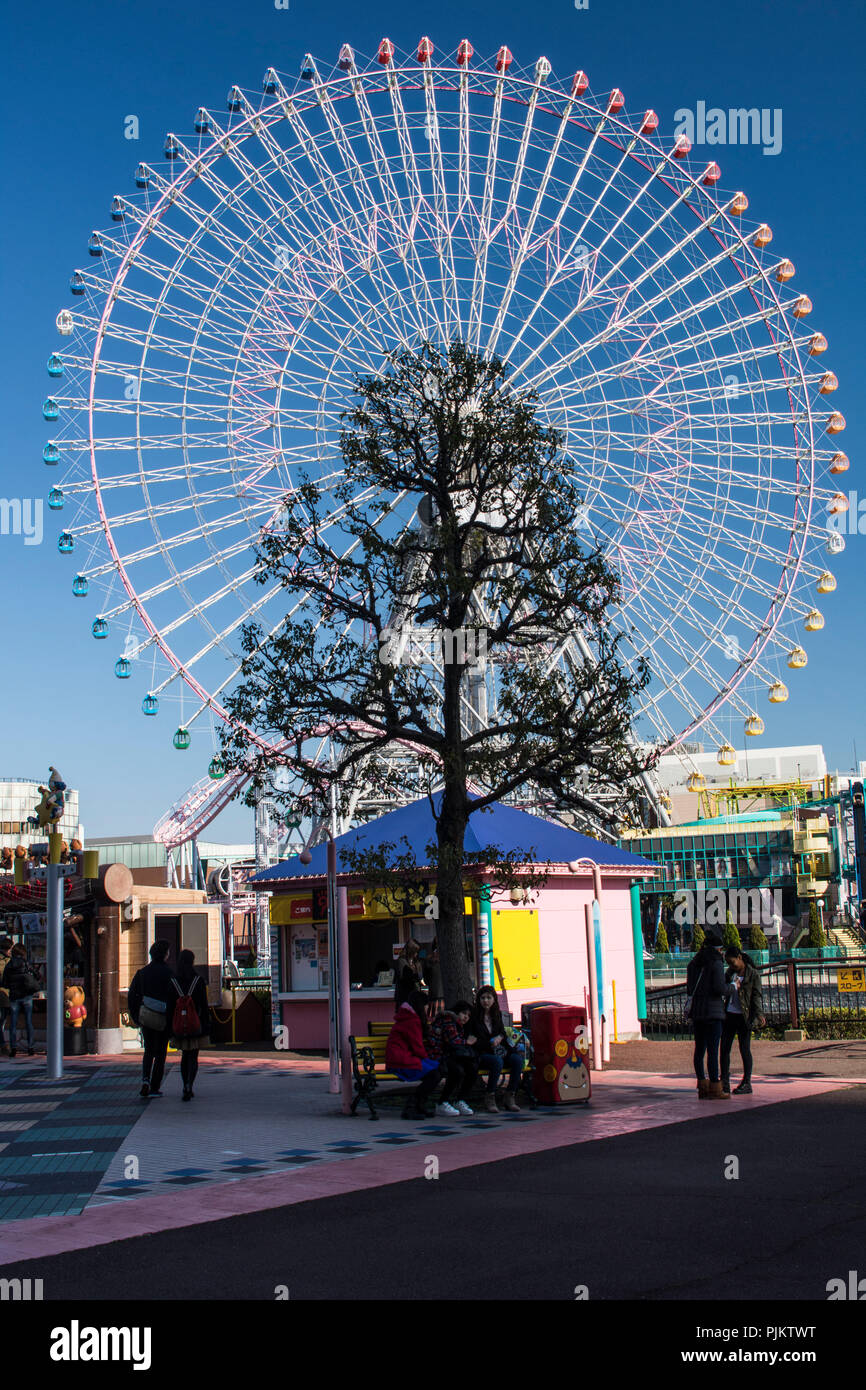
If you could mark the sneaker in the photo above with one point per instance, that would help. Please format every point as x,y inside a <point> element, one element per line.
<point>145,1090</point>
<point>744,1089</point>
<point>464,1109</point>
<point>444,1108</point>
<point>156,1093</point>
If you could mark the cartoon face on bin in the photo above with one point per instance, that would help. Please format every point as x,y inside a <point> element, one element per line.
<point>573,1081</point>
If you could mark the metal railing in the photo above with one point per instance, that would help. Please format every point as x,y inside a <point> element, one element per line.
<point>796,994</point>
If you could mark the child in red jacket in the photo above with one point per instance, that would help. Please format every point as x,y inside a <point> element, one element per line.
<point>406,1054</point>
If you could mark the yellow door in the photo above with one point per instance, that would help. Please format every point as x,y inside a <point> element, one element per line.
<point>516,949</point>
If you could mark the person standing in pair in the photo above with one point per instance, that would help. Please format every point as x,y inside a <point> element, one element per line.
<point>706,989</point>
<point>151,995</point>
<point>20,979</point>
<point>744,1009</point>
<point>191,1019</point>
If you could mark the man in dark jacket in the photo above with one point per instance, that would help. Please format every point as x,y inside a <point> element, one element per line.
<point>705,986</point>
<point>744,1005</point>
<point>152,989</point>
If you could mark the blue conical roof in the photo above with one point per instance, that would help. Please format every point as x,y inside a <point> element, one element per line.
<point>506,827</point>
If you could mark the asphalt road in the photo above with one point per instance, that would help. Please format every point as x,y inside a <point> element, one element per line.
<point>646,1216</point>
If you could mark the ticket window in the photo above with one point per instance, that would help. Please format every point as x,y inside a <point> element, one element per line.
<point>304,956</point>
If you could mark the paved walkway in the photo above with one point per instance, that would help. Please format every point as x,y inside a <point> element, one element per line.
<point>262,1134</point>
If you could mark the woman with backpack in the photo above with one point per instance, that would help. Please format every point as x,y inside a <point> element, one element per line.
<point>191,1020</point>
<point>20,979</point>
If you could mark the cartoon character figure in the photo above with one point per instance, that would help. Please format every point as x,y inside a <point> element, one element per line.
<point>52,801</point>
<point>572,1084</point>
<point>74,1012</point>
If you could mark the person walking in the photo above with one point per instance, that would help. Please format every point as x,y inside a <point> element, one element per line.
<point>5,957</point>
<point>705,987</point>
<point>191,1017</point>
<point>20,979</point>
<point>151,995</point>
<point>743,1010</point>
<point>486,1033</point>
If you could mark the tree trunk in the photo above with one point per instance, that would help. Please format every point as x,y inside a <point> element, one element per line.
<point>457,980</point>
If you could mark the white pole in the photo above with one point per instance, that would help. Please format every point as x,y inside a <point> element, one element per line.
<point>54,955</point>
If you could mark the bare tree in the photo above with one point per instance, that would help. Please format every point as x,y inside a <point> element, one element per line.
<point>446,599</point>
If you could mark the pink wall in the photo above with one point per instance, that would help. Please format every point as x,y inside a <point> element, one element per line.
<point>562,930</point>
<point>307,1019</point>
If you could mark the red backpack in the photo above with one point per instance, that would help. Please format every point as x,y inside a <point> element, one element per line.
<point>185,1022</point>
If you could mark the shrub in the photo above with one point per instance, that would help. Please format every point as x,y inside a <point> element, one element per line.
<point>816,931</point>
<point>662,947</point>
<point>757,939</point>
<point>698,937</point>
<point>731,935</point>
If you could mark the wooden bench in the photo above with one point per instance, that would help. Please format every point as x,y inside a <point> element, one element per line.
<point>369,1069</point>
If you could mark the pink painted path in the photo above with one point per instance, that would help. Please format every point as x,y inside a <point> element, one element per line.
<point>31,1239</point>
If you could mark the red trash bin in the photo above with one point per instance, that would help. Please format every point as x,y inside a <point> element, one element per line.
<point>560,1049</point>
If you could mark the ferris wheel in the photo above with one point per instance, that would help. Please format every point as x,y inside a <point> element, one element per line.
<point>283,247</point>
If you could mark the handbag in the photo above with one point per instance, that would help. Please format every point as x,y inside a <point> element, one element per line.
<point>690,998</point>
<point>153,1014</point>
<point>30,983</point>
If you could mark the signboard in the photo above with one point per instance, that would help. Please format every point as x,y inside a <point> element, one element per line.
<point>851,979</point>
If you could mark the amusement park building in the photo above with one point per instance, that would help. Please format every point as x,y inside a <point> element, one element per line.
<point>527,953</point>
<point>19,797</point>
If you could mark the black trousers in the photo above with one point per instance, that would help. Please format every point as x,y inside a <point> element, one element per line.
<point>189,1065</point>
<point>459,1078</point>
<point>735,1026</point>
<point>153,1062</point>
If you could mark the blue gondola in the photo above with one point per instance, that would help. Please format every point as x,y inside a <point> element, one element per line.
<point>94,245</point>
<point>234,100</point>
<point>308,68</point>
<point>55,499</point>
<point>269,82</point>
<point>118,209</point>
<point>77,283</point>
<point>80,585</point>
<point>122,668</point>
<point>55,364</point>
<point>171,148</point>
<point>142,176</point>
<point>202,121</point>
<point>51,453</point>
<point>99,628</point>
<point>50,409</point>
<point>66,542</point>
<point>150,705</point>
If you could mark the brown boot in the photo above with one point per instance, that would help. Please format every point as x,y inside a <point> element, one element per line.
<point>703,1089</point>
<point>490,1103</point>
<point>716,1092</point>
<point>509,1101</point>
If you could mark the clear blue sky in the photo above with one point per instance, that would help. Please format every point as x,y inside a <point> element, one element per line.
<point>73,72</point>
